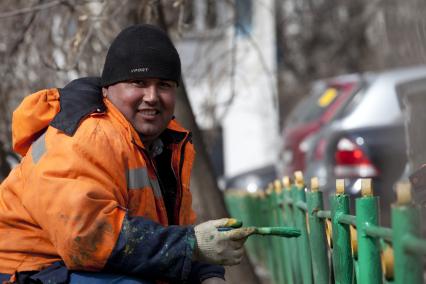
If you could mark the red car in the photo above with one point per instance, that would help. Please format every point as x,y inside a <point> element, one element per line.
<point>316,110</point>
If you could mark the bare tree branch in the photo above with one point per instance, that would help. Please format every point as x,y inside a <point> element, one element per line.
<point>31,9</point>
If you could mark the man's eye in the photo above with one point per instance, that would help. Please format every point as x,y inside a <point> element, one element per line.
<point>165,85</point>
<point>139,83</point>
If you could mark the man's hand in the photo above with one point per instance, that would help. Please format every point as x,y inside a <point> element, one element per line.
<point>220,247</point>
<point>214,280</point>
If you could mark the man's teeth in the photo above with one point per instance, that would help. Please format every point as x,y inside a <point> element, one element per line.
<point>148,112</point>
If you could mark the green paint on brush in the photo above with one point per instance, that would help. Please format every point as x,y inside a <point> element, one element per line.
<point>287,232</point>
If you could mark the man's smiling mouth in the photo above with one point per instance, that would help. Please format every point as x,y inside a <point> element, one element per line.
<point>148,112</point>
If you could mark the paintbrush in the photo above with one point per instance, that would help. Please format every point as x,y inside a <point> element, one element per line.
<point>287,232</point>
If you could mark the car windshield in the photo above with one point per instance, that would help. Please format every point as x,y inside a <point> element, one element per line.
<point>357,97</point>
<point>320,101</point>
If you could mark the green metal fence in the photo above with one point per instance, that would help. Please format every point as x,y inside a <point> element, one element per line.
<point>334,246</point>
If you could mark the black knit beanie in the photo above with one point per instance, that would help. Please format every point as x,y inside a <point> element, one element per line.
<point>141,51</point>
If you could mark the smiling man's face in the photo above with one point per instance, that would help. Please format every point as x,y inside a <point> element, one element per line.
<point>148,104</point>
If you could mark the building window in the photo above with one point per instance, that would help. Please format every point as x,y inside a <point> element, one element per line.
<point>243,21</point>
<point>188,14</point>
<point>211,14</point>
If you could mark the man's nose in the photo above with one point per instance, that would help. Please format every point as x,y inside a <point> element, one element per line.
<point>150,94</point>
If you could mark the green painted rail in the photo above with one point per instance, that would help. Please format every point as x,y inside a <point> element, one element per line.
<point>324,213</point>
<point>378,232</point>
<point>334,246</point>
<point>346,219</point>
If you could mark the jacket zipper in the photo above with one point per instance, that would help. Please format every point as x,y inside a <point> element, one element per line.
<point>179,179</point>
<point>151,162</point>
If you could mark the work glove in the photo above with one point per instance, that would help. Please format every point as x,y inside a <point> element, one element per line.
<point>220,247</point>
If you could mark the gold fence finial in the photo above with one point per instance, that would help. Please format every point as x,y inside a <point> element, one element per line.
<point>278,186</point>
<point>286,182</point>
<point>366,187</point>
<point>314,184</point>
<point>403,193</point>
<point>298,175</point>
<point>340,186</point>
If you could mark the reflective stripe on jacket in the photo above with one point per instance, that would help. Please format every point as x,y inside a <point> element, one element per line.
<point>89,195</point>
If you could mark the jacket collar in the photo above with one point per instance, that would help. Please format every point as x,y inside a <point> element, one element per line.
<point>78,99</point>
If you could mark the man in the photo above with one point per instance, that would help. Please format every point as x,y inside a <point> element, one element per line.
<point>102,193</point>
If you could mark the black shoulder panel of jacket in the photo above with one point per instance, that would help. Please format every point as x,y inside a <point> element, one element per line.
<point>78,99</point>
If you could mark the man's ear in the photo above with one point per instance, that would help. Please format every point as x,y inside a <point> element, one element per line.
<point>104,92</point>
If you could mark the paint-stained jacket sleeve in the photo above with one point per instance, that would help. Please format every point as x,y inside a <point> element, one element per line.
<point>150,250</point>
<point>153,251</point>
<point>77,193</point>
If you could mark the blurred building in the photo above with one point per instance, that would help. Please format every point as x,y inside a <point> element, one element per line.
<point>228,53</point>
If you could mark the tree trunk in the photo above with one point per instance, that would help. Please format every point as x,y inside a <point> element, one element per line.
<point>208,200</point>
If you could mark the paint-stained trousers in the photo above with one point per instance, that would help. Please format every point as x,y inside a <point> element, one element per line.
<point>100,278</point>
<point>87,277</point>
